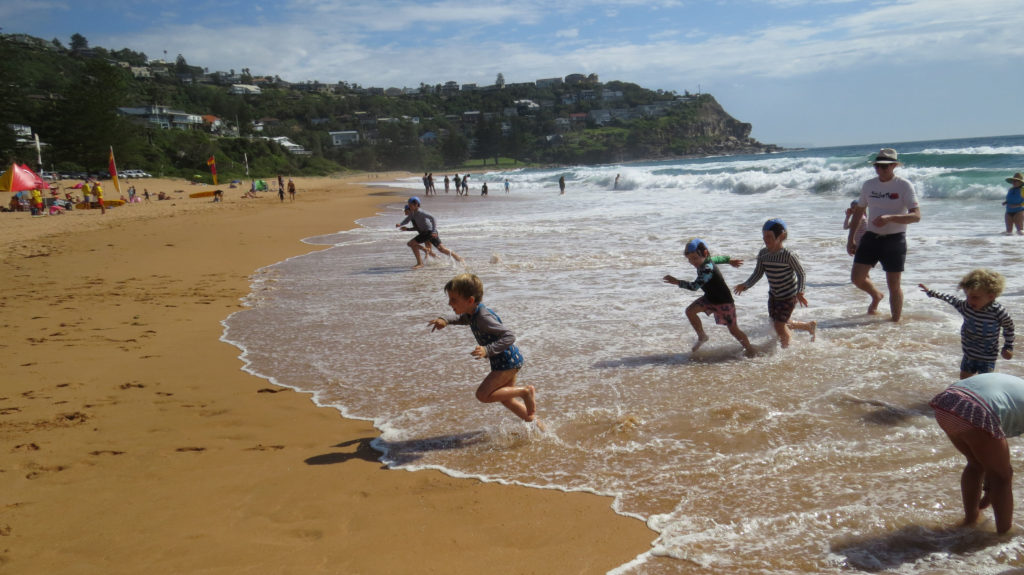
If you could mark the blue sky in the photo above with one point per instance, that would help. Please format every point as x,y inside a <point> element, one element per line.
<point>804,73</point>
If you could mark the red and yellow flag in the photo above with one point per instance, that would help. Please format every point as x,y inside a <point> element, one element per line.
<point>213,168</point>
<point>112,167</point>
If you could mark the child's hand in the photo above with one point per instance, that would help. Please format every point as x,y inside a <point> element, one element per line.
<point>670,280</point>
<point>735,263</point>
<point>923,287</point>
<point>479,352</point>
<point>437,324</point>
<point>740,288</point>
<point>800,298</point>
<point>1007,354</point>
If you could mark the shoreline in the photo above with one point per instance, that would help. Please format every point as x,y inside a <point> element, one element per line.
<point>134,442</point>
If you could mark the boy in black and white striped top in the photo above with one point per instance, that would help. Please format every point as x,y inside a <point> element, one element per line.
<point>785,281</point>
<point>983,319</point>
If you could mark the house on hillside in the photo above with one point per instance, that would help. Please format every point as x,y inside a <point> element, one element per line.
<point>164,117</point>
<point>344,138</point>
<point>245,89</point>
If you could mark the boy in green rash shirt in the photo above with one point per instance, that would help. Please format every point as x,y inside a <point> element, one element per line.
<point>717,298</point>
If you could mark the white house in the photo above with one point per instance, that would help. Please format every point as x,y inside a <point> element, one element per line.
<point>344,138</point>
<point>245,89</point>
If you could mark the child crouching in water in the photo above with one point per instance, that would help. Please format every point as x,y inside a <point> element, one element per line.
<point>716,299</point>
<point>983,318</point>
<point>495,342</point>
<point>785,281</point>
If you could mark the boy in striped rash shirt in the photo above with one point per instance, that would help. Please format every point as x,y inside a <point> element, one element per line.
<point>983,318</point>
<point>785,281</point>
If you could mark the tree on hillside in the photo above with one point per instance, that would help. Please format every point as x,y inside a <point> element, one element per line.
<point>78,42</point>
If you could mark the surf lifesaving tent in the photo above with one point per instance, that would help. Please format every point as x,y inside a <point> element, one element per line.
<point>19,178</point>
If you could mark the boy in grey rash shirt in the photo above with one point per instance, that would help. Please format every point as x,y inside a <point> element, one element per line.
<point>427,228</point>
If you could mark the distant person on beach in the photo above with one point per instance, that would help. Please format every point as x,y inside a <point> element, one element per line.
<point>291,189</point>
<point>984,317</point>
<point>458,184</point>
<point>785,281</point>
<point>978,414</point>
<point>616,185</point>
<point>561,185</point>
<point>426,225</point>
<point>716,300</point>
<point>891,204</point>
<point>483,189</point>
<point>1014,205</point>
<point>506,186</point>
<point>145,193</point>
<point>37,203</point>
<point>465,185</point>
<point>447,183</point>
<point>97,191</point>
<point>424,245</point>
<point>494,341</point>
<point>280,186</point>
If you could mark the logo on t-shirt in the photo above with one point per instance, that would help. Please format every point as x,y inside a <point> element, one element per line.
<point>886,195</point>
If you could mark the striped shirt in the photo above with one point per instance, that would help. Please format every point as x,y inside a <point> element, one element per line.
<point>979,335</point>
<point>785,274</point>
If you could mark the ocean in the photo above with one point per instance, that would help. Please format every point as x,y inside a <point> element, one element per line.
<point>819,458</point>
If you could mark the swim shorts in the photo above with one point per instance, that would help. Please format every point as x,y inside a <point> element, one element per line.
<point>428,237</point>
<point>725,313</point>
<point>977,365</point>
<point>890,249</point>
<point>958,410</point>
<point>780,309</point>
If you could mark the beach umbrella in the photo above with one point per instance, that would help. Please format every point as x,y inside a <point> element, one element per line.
<point>19,178</point>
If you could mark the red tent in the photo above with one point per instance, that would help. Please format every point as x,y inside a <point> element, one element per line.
<point>18,178</point>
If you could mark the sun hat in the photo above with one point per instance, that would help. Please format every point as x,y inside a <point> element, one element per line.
<point>414,200</point>
<point>1017,179</point>
<point>694,245</point>
<point>772,223</point>
<point>887,156</point>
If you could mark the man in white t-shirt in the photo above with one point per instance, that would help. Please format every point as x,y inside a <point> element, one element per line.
<point>891,204</point>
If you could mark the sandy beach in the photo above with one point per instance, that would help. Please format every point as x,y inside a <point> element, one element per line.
<point>132,442</point>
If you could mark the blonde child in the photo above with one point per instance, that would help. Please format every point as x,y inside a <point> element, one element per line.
<point>983,319</point>
<point>494,341</point>
<point>716,299</point>
<point>785,281</point>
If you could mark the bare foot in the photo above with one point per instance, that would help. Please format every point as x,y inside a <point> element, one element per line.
<point>417,266</point>
<point>531,401</point>
<point>700,341</point>
<point>875,300</point>
<point>749,351</point>
<point>813,330</point>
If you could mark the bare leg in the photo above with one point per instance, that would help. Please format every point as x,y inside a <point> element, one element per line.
<point>782,330</point>
<point>810,327</point>
<point>988,461</point>
<point>416,252</point>
<point>895,294</point>
<point>736,332</point>
<point>1009,223</point>
<point>859,277</point>
<point>499,387</point>
<point>1018,221</point>
<point>692,314</point>
<point>448,252</point>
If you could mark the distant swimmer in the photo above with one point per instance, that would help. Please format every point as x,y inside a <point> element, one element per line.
<point>1014,205</point>
<point>561,184</point>
<point>616,186</point>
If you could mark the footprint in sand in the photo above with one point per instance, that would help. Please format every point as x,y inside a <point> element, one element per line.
<point>190,449</point>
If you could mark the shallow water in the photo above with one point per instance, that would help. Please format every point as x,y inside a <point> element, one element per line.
<point>819,458</point>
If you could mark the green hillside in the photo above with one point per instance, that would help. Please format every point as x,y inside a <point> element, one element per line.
<point>80,100</point>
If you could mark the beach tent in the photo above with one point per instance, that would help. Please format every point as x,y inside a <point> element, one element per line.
<point>18,178</point>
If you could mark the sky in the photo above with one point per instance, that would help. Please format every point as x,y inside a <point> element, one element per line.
<point>804,73</point>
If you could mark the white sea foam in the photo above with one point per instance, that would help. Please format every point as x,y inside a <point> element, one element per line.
<point>821,458</point>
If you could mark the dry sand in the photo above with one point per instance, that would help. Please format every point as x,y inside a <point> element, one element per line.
<point>132,442</point>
